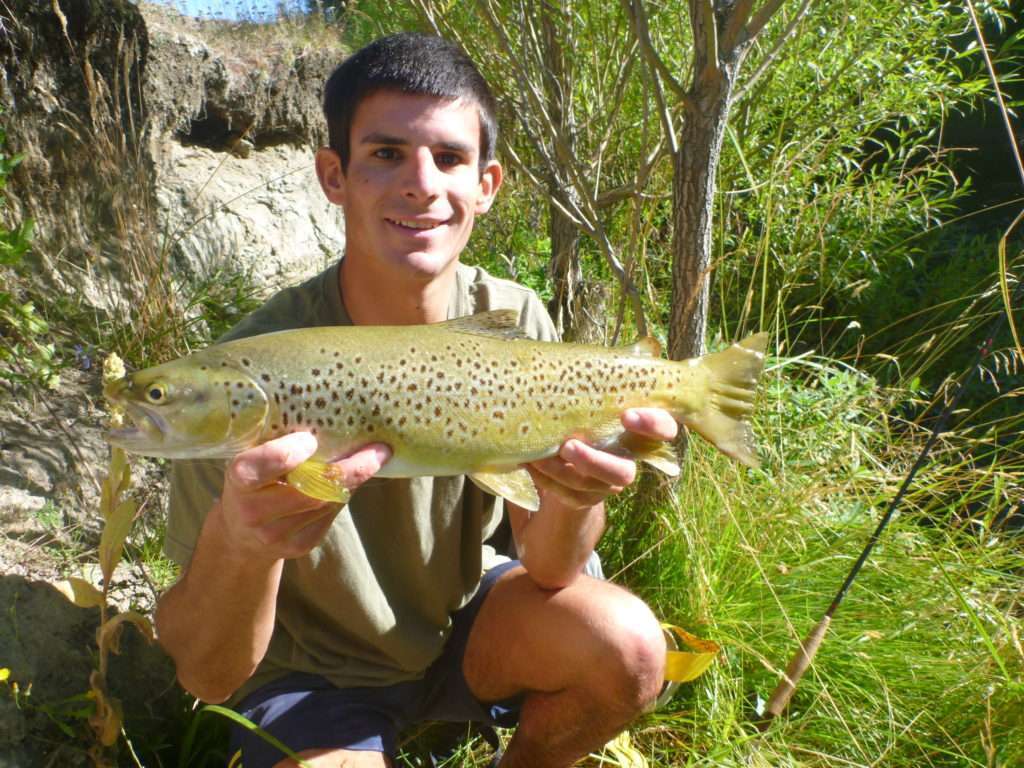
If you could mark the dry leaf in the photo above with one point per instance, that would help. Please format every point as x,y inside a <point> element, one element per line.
<point>80,592</point>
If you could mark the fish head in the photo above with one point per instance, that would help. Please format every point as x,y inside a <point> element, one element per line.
<point>191,408</point>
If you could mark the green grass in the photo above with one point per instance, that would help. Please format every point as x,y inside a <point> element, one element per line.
<point>923,661</point>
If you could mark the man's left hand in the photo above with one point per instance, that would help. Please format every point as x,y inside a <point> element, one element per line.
<point>581,476</point>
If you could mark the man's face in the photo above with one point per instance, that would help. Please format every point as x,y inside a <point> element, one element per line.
<point>413,186</point>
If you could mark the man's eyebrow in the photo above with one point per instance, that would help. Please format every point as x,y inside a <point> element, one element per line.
<point>458,146</point>
<point>382,138</point>
<point>396,141</point>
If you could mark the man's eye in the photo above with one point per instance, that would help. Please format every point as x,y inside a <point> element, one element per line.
<point>448,159</point>
<point>386,153</point>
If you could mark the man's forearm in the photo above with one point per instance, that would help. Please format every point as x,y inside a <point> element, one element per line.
<point>216,622</point>
<point>555,542</point>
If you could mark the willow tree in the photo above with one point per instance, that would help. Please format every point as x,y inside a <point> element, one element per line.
<point>721,34</point>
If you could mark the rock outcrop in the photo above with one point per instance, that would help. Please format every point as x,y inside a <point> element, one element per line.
<point>158,151</point>
<point>147,145</point>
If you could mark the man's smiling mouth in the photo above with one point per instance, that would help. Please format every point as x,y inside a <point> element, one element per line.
<point>414,224</point>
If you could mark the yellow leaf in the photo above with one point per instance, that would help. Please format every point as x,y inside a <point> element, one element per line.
<point>80,592</point>
<point>5,674</point>
<point>108,636</point>
<point>119,524</point>
<point>106,720</point>
<point>118,479</point>
<point>625,754</point>
<point>684,666</point>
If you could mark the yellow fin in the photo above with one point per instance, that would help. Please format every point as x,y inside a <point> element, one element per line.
<point>319,481</point>
<point>656,453</point>
<point>502,323</point>
<point>516,486</point>
<point>725,422</point>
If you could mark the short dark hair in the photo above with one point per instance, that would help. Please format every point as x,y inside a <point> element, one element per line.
<point>408,62</point>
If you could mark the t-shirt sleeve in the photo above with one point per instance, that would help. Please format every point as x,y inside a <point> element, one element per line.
<point>535,320</point>
<point>195,485</point>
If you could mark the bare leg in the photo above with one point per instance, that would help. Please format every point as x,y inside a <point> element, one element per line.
<point>590,658</point>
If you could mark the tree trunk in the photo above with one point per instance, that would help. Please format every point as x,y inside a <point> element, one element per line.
<point>564,266</point>
<point>693,193</point>
<point>565,270</point>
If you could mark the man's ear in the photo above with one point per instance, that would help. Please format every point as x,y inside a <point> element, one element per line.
<point>332,178</point>
<point>490,181</point>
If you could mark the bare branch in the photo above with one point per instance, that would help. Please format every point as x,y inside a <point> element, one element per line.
<point>638,20</point>
<point>634,188</point>
<point>657,68</point>
<point>628,287</point>
<point>761,18</point>
<point>776,49</point>
<point>625,70</point>
<point>705,36</point>
<point>737,20</point>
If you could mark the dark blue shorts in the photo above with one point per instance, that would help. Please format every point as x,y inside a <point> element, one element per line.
<point>305,711</point>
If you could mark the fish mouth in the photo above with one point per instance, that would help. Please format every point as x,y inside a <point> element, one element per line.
<point>142,428</point>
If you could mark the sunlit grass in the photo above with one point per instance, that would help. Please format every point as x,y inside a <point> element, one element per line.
<point>923,662</point>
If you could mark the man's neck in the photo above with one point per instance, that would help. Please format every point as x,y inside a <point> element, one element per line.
<point>375,299</point>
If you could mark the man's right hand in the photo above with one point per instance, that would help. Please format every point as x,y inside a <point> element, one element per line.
<point>216,622</point>
<point>266,518</point>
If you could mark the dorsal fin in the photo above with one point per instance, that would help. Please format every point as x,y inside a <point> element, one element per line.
<point>502,323</point>
<point>645,346</point>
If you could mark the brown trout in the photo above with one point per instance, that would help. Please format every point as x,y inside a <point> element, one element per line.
<point>467,396</point>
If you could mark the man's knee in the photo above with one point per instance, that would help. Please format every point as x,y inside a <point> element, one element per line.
<point>633,657</point>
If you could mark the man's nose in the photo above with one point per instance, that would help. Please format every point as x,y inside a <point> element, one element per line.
<point>423,176</point>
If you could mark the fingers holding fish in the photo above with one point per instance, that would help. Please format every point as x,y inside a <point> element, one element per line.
<point>270,518</point>
<point>265,464</point>
<point>654,423</point>
<point>358,467</point>
<point>294,533</point>
<point>582,476</point>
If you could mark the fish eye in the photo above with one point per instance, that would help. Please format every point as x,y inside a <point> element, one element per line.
<point>156,394</point>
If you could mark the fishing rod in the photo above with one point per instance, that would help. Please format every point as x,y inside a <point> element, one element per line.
<point>800,662</point>
<point>802,659</point>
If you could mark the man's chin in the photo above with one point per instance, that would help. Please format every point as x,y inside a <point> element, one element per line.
<point>425,264</point>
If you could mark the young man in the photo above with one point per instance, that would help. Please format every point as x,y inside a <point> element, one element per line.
<point>334,628</point>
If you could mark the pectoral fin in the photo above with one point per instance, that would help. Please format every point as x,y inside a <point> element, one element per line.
<point>319,480</point>
<point>516,486</point>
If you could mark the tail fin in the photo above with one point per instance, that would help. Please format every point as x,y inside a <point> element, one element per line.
<point>725,421</point>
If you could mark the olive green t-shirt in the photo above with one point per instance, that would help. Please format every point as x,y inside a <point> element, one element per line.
<point>372,604</point>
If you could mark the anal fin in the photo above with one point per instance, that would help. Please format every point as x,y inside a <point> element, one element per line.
<point>515,486</point>
<point>319,480</point>
<point>655,453</point>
